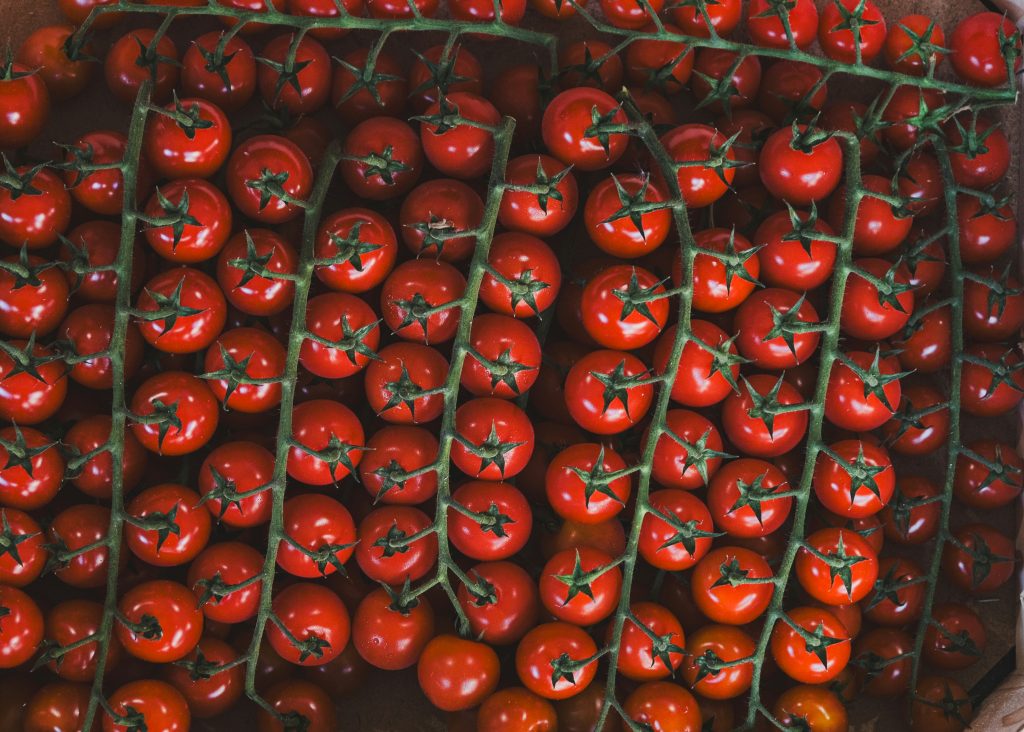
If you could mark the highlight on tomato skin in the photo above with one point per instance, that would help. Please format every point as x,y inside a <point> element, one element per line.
<point>604,364</point>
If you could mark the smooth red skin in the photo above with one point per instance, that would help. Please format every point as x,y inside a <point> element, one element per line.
<point>260,295</point>
<point>491,336</point>
<point>76,527</point>
<point>125,77</point>
<point>602,308</point>
<point>635,659</point>
<point>516,92</point>
<point>217,694</point>
<point>32,552</point>
<point>193,520</point>
<point>742,522</point>
<point>958,565</point>
<point>663,706</point>
<point>30,489</point>
<point>278,155</point>
<point>715,64</point>
<point>724,15</point>
<point>787,264</point>
<point>905,105</point>
<point>479,496</point>
<point>395,9</point>
<point>303,698</point>
<point>174,607</point>
<point>998,321</point>
<point>769,31</point>
<point>88,330</point>
<point>842,44</point>
<point>314,521</point>
<point>521,211</point>
<point>928,273</point>
<point>816,706</point>
<point>161,705</point>
<point>565,490</point>
<point>787,84</point>
<point>100,242</point>
<point>35,220</point>
<point>443,201</point>
<point>864,315</point>
<point>438,283</point>
<point>621,237</point>
<point>308,609</point>
<point>411,564</point>
<point>909,602</point>
<point>544,644</point>
<point>512,254</point>
<point>726,603</point>
<point>712,292</point>
<point>655,532</point>
<point>645,58</point>
<point>974,486</point>
<point>550,9</point>
<point>954,619</point>
<point>457,674</point>
<point>898,42</point>
<point>670,468</point>
<point>24,107</point>
<point>696,385</point>
<point>581,610</point>
<point>885,643</point>
<point>410,448</point>
<point>190,333</point>
<point>266,360</point>
<point>465,151</point>
<point>515,709</point>
<point>752,125</point>
<point>976,395</point>
<point>313,424</point>
<point>75,620</point>
<point>991,163</point>
<point>799,177</point>
<point>566,119</point>
<point>788,648</point>
<point>878,229</point>
<point>923,520</point>
<point>173,155</point>
<point>925,713</point>
<point>815,575</point>
<point>751,434</point>
<point>426,367</point>
<point>584,393</point>
<point>198,410</point>
<point>605,71</point>
<point>234,562</point>
<point>515,609</point>
<point>247,466</point>
<point>361,105</point>
<point>465,68</point>
<point>984,237</point>
<point>313,66</point>
<point>975,52</point>
<point>928,347</point>
<point>846,405</point>
<point>730,644</point>
<point>844,115</point>
<point>700,186</point>
<point>76,11</point>
<point>32,308</point>
<point>57,704</point>
<point>371,137</point>
<point>832,483</point>
<point>375,266</point>
<point>24,399</point>
<point>868,528</point>
<point>207,205</point>
<point>934,428</point>
<point>387,638</point>
<point>21,628</point>
<point>755,319</point>
<point>325,9</point>
<point>475,420</point>
<point>198,81</point>
<point>325,315</point>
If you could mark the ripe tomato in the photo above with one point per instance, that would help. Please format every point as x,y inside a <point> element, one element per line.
<point>516,708</point>
<point>844,115</point>
<point>993,305</point>
<point>925,343</point>
<point>955,639</point>
<point>24,104</point>
<point>765,418</point>
<point>33,296</point>
<point>607,392</point>
<point>986,232</point>
<point>165,624</point>
<point>342,335</point>
<point>493,439</point>
<point>225,581</point>
<point>396,381</point>
<point>575,128</point>
<point>991,382</point>
<point>980,152</point>
<point>940,704</point>
<point>707,366</point>
<point>187,311</point>
<point>979,559</point>
<point>708,162</point>
<point>319,536</point>
<point>988,474</point>
<point>688,432</point>
<point>898,597</point>
<point>651,645</point>
<point>190,138</point>
<point>174,413</point>
<point>457,148</point>
<point>413,296</point>
<point>457,674</point>
<point>36,208</point>
<point>96,244</point>
<point>379,170</point>
<point>391,470</point>
<point>295,74</point>
<point>302,700</point>
<point>198,221</point>
<point>791,257</point>
<point>855,478</point>
<point>627,216</point>
<point>724,83</point>
<point>154,704</point>
<point>714,644</point>
<point>769,330</point>
<point>580,586</point>
<point>904,111</point>
<point>389,635</point>
<point>538,214</point>
<point>976,49</point>
<point>268,176</point>
<point>840,41</point>
<point>384,552</point>
<point>357,98</point>
<point>782,26</point>
<point>433,215</point>
<point>547,658</point>
<point>903,52</point>
<point>229,480</point>
<point>77,620</point>
<point>138,56</point>
<point>792,90</point>
<point>815,706</point>
<point>863,391</point>
<point>32,383</point>
<point>88,331</point>
<point>884,662</point>
<point>740,498</point>
<point>724,16</point>
<point>581,483</point>
<point>502,604</point>
<point>662,706</point>
<point>208,690</point>
<point>500,523</point>
<point>327,442</point>
<point>55,704</point>
<point>679,534</point>
<point>912,515</point>
<point>720,282</point>
<point>167,526</point>
<point>220,69</point>
<point>800,659</point>
<point>837,566</point>
<point>310,625</point>
<point>880,227</point>
<point>800,165</point>
<point>247,270</point>
<point>721,590</point>
<point>921,424</point>
<point>75,528</point>
<point>21,626</point>
<point>33,468</point>
<point>525,279</point>
<point>504,357</point>
<point>624,307</point>
<point>246,353</point>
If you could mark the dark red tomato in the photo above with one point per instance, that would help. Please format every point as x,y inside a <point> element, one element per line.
<point>319,536</point>
<point>24,104</point>
<point>724,16</point>
<point>662,706</point>
<point>904,111</point>
<point>518,92</point>
<point>389,635</point>
<point>769,332</point>
<point>764,418</point>
<point>268,176</point>
<point>28,398</point>
<point>220,69</point>
<point>77,527</point>
<point>502,604</point>
<point>392,470</point>
<point>65,68</point>
<point>96,244</point>
<point>504,357</point>
<point>435,213</point>
<point>457,148</point>
<point>782,26</point>
<point>624,307</point>
<point>299,699</point>
<point>357,98</point>
<point>814,706</point>
<point>707,158</point>
<point>539,214</point>
<point>991,382</point>
<point>295,74</point>
<point>174,413</point>
<point>77,11</point>
<point>580,586</point>
<point>854,478</point>
<point>608,392</point>
<point>208,690</point>
<point>921,424</point>
<point>351,328</point>
<point>167,526</point>
<point>546,654</point>
<point>976,49</point>
<point>493,439</point>
<point>325,9</point>
<point>393,9</point>
<point>623,217</point>
<point>986,232</point>
<point>102,191</point>
<point>792,90</point>
<point>230,479</point>
<point>723,82</point>
<point>33,296</point>
<point>740,498</point>
<point>663,66</point>
<point>582,483</point>
<point>516,708</point>
<point>803,662</point>
<point>978,559</point>
<point>188,311</point>
<point>412,297</point>
<point>980,154</point>
<point>246,353</point>
<point>718,643</point>
<point>925,343</point>
<point>993,305</point>
<point>165,624</point>
<point>457,674</point>
<point>837,566</point>
<point>383,159</point>
<point>36,208</point>
<point>799,165</point>
<point>839,41</point>
<point>752,127</point>
<point>454,68</point>
<point>844,115</point>
<point>863,391</point>
<point>526,276</point>
<point>75,621</point>
<point>925,257</point>
<point>898,598</point>
<point>940,704</point>
<point>327,442</point>
<point>720,282</point>
<point>224,579</point>
<point>573,136</point>
<point>396,382</point>
<point>707,366</point>
<point>21,626</point>
<point>791,257</point>
<point>915,44</point>
<point>139,56</point>
<point>912,515</point>
<point>686,432</point>
<point>384,552</point>
<point>988,474</point>
<point>489,520</point>
<point>590,63</point>
<point>880,227</point>
<point>191,138</point>
<point>641,657</point>
<point>57,704</point>
<point>33,468</point>
<point>88,331</point>
<point>955,639</point>
<point>683,542</point>
<point>156,705</point>
<point>884,661</point>
<point>311,624</point>
<point>95,476</point>
<point>720,588</point>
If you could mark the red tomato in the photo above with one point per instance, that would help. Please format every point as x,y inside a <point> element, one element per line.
<point>157,704</point>
<point>504,358</point>
<point>32,383</point>
<point>246,353</point>
<point>208,690</point>
<point>898,596</point>
<point>457,674</point>
<point>190,138</point>
<point>740,498</point>
<point>921,424</point>
<point>302,700</point>
<point>268,176</point>
<point>138,56</point>
<point>316,622</point>
<point>775,329</point>
<point>792,90</point>
<point>976,49</point>
<point>295,74</point>
<point>460,149</point>
<point>714,644</point>
<point>220,69</point>
<point>225,581</point>
<point>981,560</point>
<point>190,221</point>
<point>327,442</point>
<point>33,468</point>
<point>986,231</point>
<point>356,98</point>
<point>912,515</point>
<point>724,82</point>
<point>396,381</point>
<point>384,552</point>
<point>720,281</point>
<point>765,418</point>
<point>166,525</point>
<point>724,16</point>
<point>388,634</point>
<point>814,706</point>
<point>21,626</point>
<point>88,331</point>
<point>526,276</point>
<point>392,472</point>
<point>721,590</point>
<point>993,305</point>
<point>854,478</point>
<point>837,566</point>
<point>539,214</point>
<point>412,297</point>
<point>379,170</point>
<point>800,165</point>
<point>24,104</point>
<point>247,270</point>
<point>580,586</point>
<point>319,536</point>
<point>499,522</point>
<point>433,215</point>
<point>74,529</point>
<point>940,704</point>
<point>840,41</point>
<point>679,534</point>
<point>516,708</point>
<point>709,162</point>
<point>624,307</point>
<point>880,226</point>
<point>988,474</point>
<point>955,639</point>
<point>782,26</point>
<point>573,128</point>
<point>546,660</point>
<point>991,382</point>
<point>708,365</point>
<point>165,624</point>
<point>662,706</point>
<point>607,392</point>
<point>174,413</point>
<point>790,256</point>
<point>181,310</point>
<point>863,391</point>
<point>905,53</point>
<point>689,453</point>
<point>800,659</point>
<point>502,604</point>
<point>36,208</point>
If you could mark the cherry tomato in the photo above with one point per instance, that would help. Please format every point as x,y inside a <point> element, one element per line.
<point>707,366</point>
<point>662,706</point>
<point>157,704</point>
<point>75,528</point>
<point>538,214</point>
<point>377,172</point>
<point>720,282</point>
<point>981,560</point>
<point>955,638</point>
<point>580,586</point>
<point>740,498</point>
<point>608,392</point>
<point>528,277</point>
<point>720,590</point>
<point>327,442</point>
<point>138,56</point>
<point>681,543</point>
<point>384,552</point>
<point>904,53</point>
<point>24,104</point>
<point>396,381</point>
<point>779,312</point>
<point>573,132</point>
<point>863,391</point>
<point>799,165</point>
<point>976,48</point>
<point>166,624</point>
<point>798,658</point>
<point>22,626</point>
<point>814,706</point>
<point>837,566</point>
<point>32,388</point>
<point>166,525</point>
<point>854,478</point>
<point>839,41</point>
<point>500,524</point>
<point>712,644</point>
<point>35,210</point>
<point>991,381</point>
<point>311,625</point>
<point>546,654</point>
<point>456,673</point>
<point>218,569</point>
<point>752,421</point>
<point>782,26</point>
<point>220,69</point>
<point>502,604</point>
<point>175,413</point>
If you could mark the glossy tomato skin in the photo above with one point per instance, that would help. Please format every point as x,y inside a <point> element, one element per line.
<point>205,311</point>
<point>24,106</point>
<point>700,381</point>
<point>515,708</point>
<point>195,149</point>
<point>673,466</point>
<point>343,319</point>
<point>585,393</point>
<point>842,43</point>
<point>510,353</point>
<point>202,203</point>
<point>954,624</point>
<point>529,212</point>
<point>975,48</point>
<point>985,232</point>
<point>532,269</point>
<point>268,155</point>
<point>816,575</point>
<point>928,711</point>
<point>22,627</point>
<point>264,358</point>
<point>811,705</point>
<point>662,706</point>
<point>722,601</point>
<point>77,527</point>
<point>982,561</point>
<point>766,28</point>
<point>34,220</point>
<point>356,102</point>
<point>922,434</point>
<point>744,513</point>
<point>981,394</point>
<point>237,468</point>
<point>395,381</point>
<point>567,602</point>
<point>499,504</point>
<point>568,117</point>
<point>879,227</point>
<point>167,503</point>
<point>786,262</point>
<point>756,319</point>
<point>502,605</point>
<point>991,315</point>
<point>638,659</point>
<point>415,287</point>
<point>567,490</point>
<point>925,343</point>
<point>136,57</point>
<point>714,289</point>
<point>976,484</point>
<point>76,620</point>
<point>800,172</point>
<point>55,704</point>
<point>899,44</point>
<point>32,480</point>
<point>456,674</point>
<point>393,452</point>
<point>848,406</point>
<point>244,285</point>
<point>790,652</point>
<point>34,302</point>
<point>724,15</point>
<point>745,426</point>
<point>728,643</point>
<point>700,185</point>
<point>610,318</point>
<point>168,604</point>
<point>304,86</point>
<point>209,695</point>
<point>383,552</point>
<point>225,76</point>
<point>542,646</point>
<point>656,534</point>
<point>96,244</point>
<point>854,497</point>
<point>26,399</point>
<point>367,140</point>
<point>196,408</point>
<point>160,705</point>
<point>868,310</point>
<point>315,523</point>
<point>228,563</point>
<point>461,151</point>
<point>912,515</point>
<point>88,330</point>
<point>309,612</point>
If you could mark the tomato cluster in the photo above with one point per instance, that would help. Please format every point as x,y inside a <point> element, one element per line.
<point>384,386</point>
